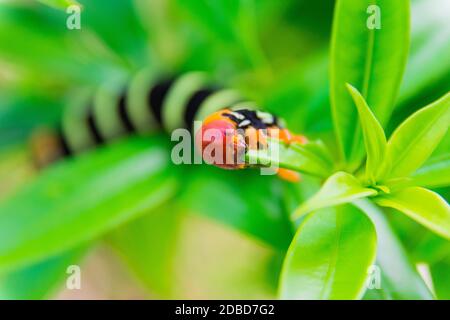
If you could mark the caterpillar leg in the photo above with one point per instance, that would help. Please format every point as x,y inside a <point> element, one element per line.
<point>288,175</point>
<point>299,139</point>
<point>288,137</point>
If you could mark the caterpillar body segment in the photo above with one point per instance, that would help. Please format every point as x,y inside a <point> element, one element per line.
<point>146,104</point>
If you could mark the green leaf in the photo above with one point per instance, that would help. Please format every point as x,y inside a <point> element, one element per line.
<point>371,59</point>
<point>305,83</point>
<point>255,208</point>
<point>311,158</point>
<point>338,189</point>
<point>329,256</point>
<point>60,4</point>
<point>399,278</point>
<point>441,279</point>
<point>423,205</point>
<point>426,71</point>
<point>416,138</point>
<point>79,199</point>
<point>40,280</point>
<point>147,245</point>
<point>373,134</point>
<point>435,173</point>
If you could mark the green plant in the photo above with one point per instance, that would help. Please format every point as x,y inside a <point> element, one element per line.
<point>389,165</point>
<point>329,229</point>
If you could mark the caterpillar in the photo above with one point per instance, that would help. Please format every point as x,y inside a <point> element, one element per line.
<point>238,130</point>
<point>148,104</point>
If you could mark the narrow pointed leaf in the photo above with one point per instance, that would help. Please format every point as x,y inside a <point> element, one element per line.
<point>423,205</point>
<point>373,134</point>
<point>329,256</point>
<point>338,189</point>
<point>369,49</point>
<point>416,138</point>
<point>435,173</point>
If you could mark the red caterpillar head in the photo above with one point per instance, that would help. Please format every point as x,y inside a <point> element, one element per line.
<point>220,142</point>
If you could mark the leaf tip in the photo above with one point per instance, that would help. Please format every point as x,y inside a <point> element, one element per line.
<point>349,87</point>
<point>300,212</point>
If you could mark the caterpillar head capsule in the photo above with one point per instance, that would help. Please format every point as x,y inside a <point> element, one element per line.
<point>221,143</point>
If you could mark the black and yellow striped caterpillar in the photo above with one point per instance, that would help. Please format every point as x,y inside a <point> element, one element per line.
<point>147,104</point>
